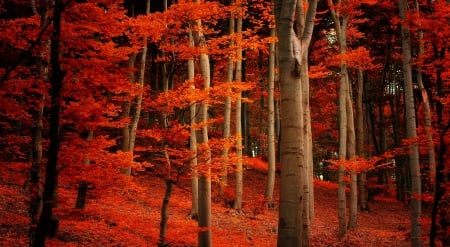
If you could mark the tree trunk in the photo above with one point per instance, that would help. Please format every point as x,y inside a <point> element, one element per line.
<point>193,138</point>
<point>227,114</point>
<point>36,138</point>
<point>204,186</point>
<point>359,135</point>
<point>271,126</point>
<point>353,208</point>
<point>48,223</point>
<point>238,124</point>
<point>414,164</point>
<point>426,111</point>
<point>126,109</point>
<point>293,226</point>
<point>164,213</point>
<point>346,125</point>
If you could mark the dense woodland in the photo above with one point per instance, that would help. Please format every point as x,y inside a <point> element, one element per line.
<point>224,123</point>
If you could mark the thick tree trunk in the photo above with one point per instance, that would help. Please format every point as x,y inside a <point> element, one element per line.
<point>48,223</point>
<point>293,222</point>
<point>414,165</point>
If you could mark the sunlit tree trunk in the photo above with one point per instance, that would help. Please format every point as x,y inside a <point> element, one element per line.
<point>48,223</point>
<point>293,225</point>
<point>271,125</point>
<point>227,111</point>
<point>193,138</point>
<point>204,186</point>
<point>340,23</point>
<point>238,124</point>
<point>414,166</point>
<point>308,154</point>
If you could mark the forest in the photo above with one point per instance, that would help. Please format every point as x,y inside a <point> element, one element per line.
<point>224,123</point>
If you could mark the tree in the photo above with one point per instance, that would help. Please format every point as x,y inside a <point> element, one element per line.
<point>271,125</point>
<point>204,189</point>
<point>48,223</point>
<point>293,225</point>
<point>414,166</point>
<point>238,114</point>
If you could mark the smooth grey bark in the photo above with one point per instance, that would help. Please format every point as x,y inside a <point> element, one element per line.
<point>410,115</point>
<point>193,139</point>
<point>271,126</point>
<point>227,112</point>
<point>239,174</point>
<point>341,32</point>
<point>293,226</point>
<point>204,186</point>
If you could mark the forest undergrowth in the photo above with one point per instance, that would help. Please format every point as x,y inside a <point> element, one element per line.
<point>130,216</point>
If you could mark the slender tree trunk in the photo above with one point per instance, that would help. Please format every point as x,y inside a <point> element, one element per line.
<point>126,109</point>
<point>165,213</point>
<point>137,113</point>
<point>353,207</point>
<point>227,112</point>
<point>343,138</point>
<point>426,109</point>
<point>346,123</point>
<point>359,135</point>
<point>414,165</point>
<point>204,186</point>
<point>48,223</point>
<point>36,138</point>
<point>238,124</point>
<point>193,138</point>
<point>83,185</point>
<point>271,126</point>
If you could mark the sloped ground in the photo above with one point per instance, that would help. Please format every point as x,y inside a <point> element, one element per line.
<point>130,217</point>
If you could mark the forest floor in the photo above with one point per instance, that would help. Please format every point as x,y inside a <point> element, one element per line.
<point>131,217</point>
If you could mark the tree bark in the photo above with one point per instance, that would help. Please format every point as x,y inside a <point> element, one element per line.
<point>411,133</point>
<point>271,126</point>
<point>293,224</point>
<point>204,186</point>
<point>48,223</point>
<point>193,138</point>
<point>227,113</point>
<point>359,135</point>
<point>239,175</point>
<point>36,138</point>
<point>164,213</point>
<point>426,110</point>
